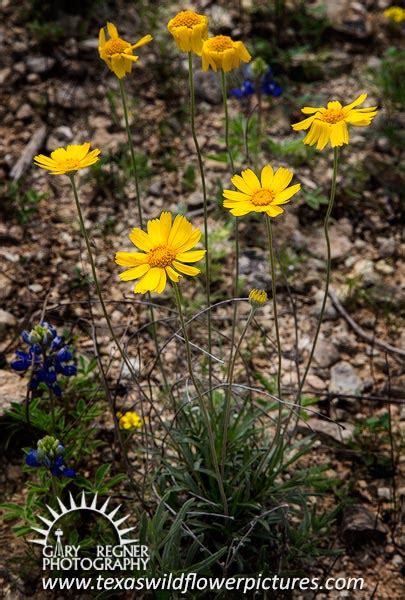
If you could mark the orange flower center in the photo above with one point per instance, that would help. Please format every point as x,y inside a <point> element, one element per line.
<point>186,18</point>
<point>161,256</point>
<point>116,46</point>
<point>262,197</point>
<point>333,115</point>
<point>220,43</point>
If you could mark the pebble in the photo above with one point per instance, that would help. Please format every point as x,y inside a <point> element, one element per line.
<point>326,353</point>
<point>40,64</point>
<point>36,288</point>
<point>384,493</point>
<point>383,267</point>
<point>6,320</point>
<point>344,380</point>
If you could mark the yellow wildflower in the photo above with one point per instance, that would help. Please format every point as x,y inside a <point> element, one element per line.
<point>166,247</point>
<point>117,53</point>
<point>260,196</point>
<point>395,13</point>
<point>257,297</point>
<point>68,160</point>
<point>129,420</point>
<point>221,52</point>
<point>189,31</point>
<point>330,124</point>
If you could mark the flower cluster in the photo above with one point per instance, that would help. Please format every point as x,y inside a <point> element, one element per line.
<point>48,356</point>
<point>258,80</point>
<point>49,454</point>
<point>395,14</point>
<point>221,52</point>
<point>129,420</point>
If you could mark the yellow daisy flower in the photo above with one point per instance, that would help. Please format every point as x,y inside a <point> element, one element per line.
<point>330,124</point>
<point>189,31</point>
<point>129,420</point>
<point>395,13</point>
<point>69,159</point>
<point>221,52</point>
<point>257,297</point>
<point>166,247</point>
<point>116,52</point>
<point>260,196</point>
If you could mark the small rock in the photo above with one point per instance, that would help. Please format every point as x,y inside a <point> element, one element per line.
<point>397,560</point>
<point>4,75</point>
<point>383,267</point>
<point>384,493</point>
<point>330,311</point>
<point>315,382</point>
<point>360,527</point>
<point>40,64</point>
<point>6,320</point>
<point>364,268</point>
<point>24,112</point>
<point>36,288</point>
<point>207,87</point>
<point>326,353</point>
<point>386,247</point>
<point>126,373</point>
<point>344,380</point>
<point>12,389</point>
<point>329,430</point>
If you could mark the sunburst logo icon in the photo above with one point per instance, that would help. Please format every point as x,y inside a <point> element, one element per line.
<point>51,521</point>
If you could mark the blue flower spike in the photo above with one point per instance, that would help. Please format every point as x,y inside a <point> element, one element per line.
<point>49,454</point>
<point>48,356</point>
<point>258,80</point>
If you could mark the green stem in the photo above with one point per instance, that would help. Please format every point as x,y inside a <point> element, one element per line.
<point>274,294</point>
<point>232,165</point>
<point>203,408</point>
<point>97,284</point>
<point>140,217</point>
<point>227,415</point>
<point>328,271</point>
<point>205,206</point>
<point>131,148</point>
<point>52,402</point>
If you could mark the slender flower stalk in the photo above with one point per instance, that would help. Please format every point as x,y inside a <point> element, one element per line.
<point>205,206</point>
<point>228,397</point>
<point>203,408</point>
<point>328,272</point>
<point>232,165</point>
<point>140,217</point>
<point>132,151</point>
<point>275,313</point>
<point>98,287</point>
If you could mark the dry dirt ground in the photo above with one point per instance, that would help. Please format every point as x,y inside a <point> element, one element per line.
<point>59,92</point>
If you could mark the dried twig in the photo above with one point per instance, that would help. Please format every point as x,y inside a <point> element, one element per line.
<point>370,339</point>
<point>28,153</point>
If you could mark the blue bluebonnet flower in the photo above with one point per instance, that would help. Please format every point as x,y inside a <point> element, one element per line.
<point>258,79</point>
<point>48,356</point>
<point>49,454</point>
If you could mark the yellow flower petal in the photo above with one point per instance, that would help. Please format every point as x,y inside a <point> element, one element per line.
<point>186,269</point>
<point>285,195</point>
<point>130,259</point>
<point>281,179</point>
<point>172,274</point>
<point>251,180</point>
<point>193,256</point>
<point>112,31</point>
<point>232,195</point>
<point>134,273</point>
<point>267,176</point>
<point>140,239</point>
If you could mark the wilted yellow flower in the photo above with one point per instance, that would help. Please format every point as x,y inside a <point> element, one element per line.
<point>116,52</point>
<point>166,247</point>
<point>260,196</point>
<point>129,420</point>
<point>395,13</point>
<point>189,30</point>
<point>67,160</point>
<point>221,52</point>
<point>257,297</point>
<point>330,124</point>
